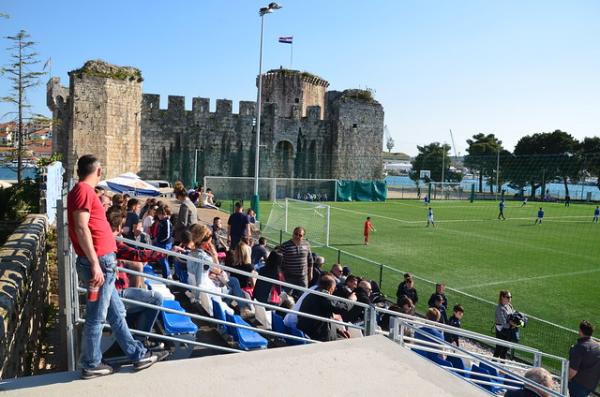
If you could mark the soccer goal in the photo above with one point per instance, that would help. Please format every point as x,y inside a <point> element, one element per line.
<point>271,189</point>
<point>287,214</point>
<point>447,191</point>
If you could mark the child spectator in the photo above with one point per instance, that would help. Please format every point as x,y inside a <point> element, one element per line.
<point>438,303</point>
<point>185,247</point>
<point>164,237</point>
<point>454,321</point>
<point>407,288</point>
<point>133,207</point>
<point>148,220</point>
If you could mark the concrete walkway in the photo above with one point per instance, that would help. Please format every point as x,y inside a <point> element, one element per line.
<point>372,366</point>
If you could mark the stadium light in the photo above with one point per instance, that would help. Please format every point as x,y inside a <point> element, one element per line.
<point>262,12</point>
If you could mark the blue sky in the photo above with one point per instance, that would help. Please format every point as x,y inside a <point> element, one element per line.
<point>505,67</point>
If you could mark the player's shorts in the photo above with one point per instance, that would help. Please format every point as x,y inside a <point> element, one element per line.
<point>430,218</point>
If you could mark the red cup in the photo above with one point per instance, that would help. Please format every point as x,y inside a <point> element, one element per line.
<point>93,293</point>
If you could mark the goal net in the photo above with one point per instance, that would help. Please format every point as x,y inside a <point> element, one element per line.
<point>271,189</point>
<point>287,214</point>
<point>447,191</point>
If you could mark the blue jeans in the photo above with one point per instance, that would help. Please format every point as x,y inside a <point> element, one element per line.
<point>140,317</point>
<point>166,271</point>
<point>234,289</point>
<point>108,307</point>
<point>576,390</point>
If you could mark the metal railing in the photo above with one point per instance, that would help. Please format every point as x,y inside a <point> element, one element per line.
<point>400,322</point>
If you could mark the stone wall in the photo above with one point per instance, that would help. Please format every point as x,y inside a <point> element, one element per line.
<point>306,131</point>
<point>23,297</point>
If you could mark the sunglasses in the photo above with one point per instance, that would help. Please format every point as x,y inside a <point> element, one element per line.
<point>299,234</point>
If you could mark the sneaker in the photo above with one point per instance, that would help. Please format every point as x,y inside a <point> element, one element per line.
<point>100,370</point>
<point>149,359</point>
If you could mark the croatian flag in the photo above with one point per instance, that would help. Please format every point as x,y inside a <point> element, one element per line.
<point>286,39</point>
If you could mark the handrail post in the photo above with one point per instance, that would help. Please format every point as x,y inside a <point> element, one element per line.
<point>380,276</point>
<point>537,359</point>
<point>393,324</point>
<point>370,321</point>
<point>280,236</point>
<point>339,256</point>
<point>564,377</point>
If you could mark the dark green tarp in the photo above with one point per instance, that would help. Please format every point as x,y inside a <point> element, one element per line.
<point>361,190</point>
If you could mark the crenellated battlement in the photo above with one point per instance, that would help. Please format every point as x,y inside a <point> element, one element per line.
<point>200,106</point>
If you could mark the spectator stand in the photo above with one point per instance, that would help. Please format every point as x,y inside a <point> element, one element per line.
<point>398,323</point>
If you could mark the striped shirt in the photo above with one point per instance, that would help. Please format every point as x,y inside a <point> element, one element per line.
<point>296,261</point>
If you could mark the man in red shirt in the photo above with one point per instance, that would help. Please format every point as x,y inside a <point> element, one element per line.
<point>95,247</point>
<point>368,228</point>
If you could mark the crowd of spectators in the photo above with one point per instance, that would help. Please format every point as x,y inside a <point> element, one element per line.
<point>292,262</point>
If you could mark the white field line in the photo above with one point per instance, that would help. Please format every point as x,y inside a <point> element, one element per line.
<point>546,276</point>
<point>549,218</point>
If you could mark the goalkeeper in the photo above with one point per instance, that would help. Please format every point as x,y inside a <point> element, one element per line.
<point>367,229</point>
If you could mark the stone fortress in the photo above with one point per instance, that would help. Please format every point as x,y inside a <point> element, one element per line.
<point>306,131</point>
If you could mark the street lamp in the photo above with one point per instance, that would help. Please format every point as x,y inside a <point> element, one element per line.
<point>262,12</point>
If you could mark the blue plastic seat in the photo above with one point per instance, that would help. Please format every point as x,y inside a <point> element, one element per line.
<point>246,339</point>
<point>477,370</point>
<point>176,324</point>
<point>440,361</point>
<point>457,363</point>
<point>149,270</point>
<point>278,325</point>
<point>494,372</point>
<point>219,314</point>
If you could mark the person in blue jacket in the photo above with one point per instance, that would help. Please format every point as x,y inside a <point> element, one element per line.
<point>540,216</point>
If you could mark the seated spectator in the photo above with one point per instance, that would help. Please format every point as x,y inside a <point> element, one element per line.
<point>438,303</point>
<point>263,290</point>
<point>357,314</point>
<point>132,286</point>
<point>405,306</point>
<point>407,288</point>
<point>207,200</point>
<point>336,271</point>
<point>259,251</point>
<point>219,235</point>
<point>432,314</point>
<point>251,216</point>
<point>185,247</point>
<point>347,289</point>
<point>164,237</point>
<point>242,260</point>
<point>345,272</point>
<point>194,195</point>
<point>322,307</point>
<point>538,375</point>
<point>454,321</point>
<point>205,252</point>
<point>150,203</point>
<point>139,235</point>
<point>440,289</point>
<point>148,220</point>
<point>319,261</point>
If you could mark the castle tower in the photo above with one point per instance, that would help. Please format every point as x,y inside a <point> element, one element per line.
<point>101,116</point>
<point>293,91</point>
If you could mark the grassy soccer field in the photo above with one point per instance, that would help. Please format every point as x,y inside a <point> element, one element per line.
<point>551,269</point>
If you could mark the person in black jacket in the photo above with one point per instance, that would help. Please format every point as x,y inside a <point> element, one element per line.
<point>454,321</point>
<point>407,289</point>
<point>440,289</point>
<point>321,306</point>
<point>357,313</point>
<point>262,289</point>
<point>538,375</point>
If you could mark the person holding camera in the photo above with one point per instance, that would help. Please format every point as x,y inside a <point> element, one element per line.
<point>504,327</point>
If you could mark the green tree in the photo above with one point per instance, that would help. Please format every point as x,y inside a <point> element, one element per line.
<point>590,158</point>
<point>482,156</point>
<point>430,158</point>
<point>542,157</point>
<point>21,76</point>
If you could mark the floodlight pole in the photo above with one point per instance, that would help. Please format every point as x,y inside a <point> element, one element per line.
<point>256,199</point>
<point>498,172</point>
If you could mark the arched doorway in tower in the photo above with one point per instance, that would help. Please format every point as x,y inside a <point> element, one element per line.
<point>283,164</point>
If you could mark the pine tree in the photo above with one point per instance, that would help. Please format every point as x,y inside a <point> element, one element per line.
<point>19,72</point>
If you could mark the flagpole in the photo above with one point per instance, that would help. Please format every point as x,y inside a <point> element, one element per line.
<point>291,55</point>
